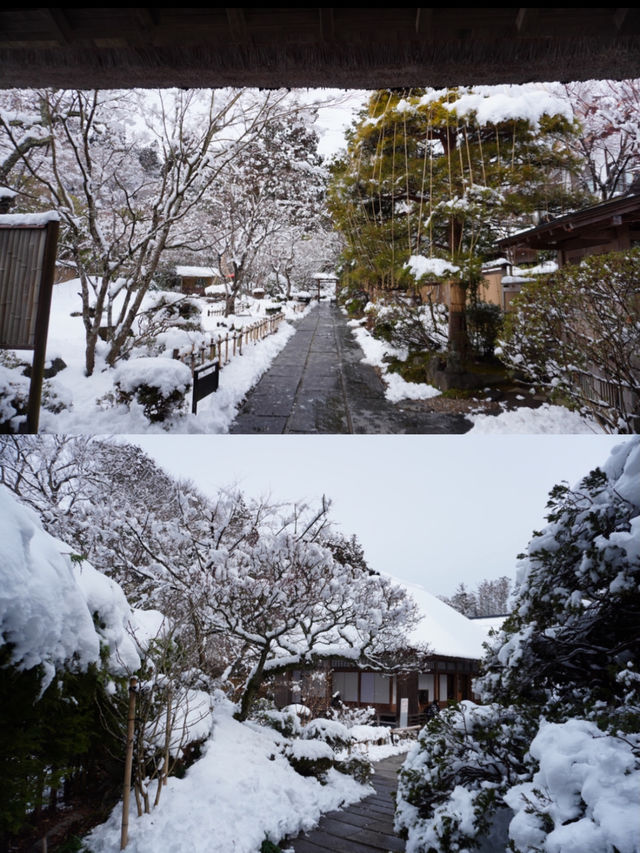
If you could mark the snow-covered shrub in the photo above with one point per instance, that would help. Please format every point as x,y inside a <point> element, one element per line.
<point>577,326</point>
<point>562,723</point>
<point>285,722</point>
<point>64,643</point>
<point>416,328</point>
<point>585,794</point>
<point>351,716</point>
<point>14,394</point>
<point>330,731</point>
<point>371,734</point>
<point>358,766</point>
<point>159,385</point>
<point>466,757</point>
<point>310,757</point>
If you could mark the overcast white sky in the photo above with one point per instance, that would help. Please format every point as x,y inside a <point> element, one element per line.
<point>434,510</point>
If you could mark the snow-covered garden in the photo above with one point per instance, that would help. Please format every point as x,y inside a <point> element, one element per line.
<point>113,570</point>
<point>106,401</point>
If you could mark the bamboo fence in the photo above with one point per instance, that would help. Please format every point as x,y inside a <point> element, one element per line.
<point>228,347</point>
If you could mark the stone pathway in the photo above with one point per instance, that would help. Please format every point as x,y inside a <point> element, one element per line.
<point>365,827</point>
<point>318,384</point>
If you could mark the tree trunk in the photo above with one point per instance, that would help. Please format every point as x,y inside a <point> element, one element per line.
<point>252,688</point>
<point>458,338</point>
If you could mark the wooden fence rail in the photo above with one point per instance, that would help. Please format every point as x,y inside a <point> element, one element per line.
<point>225,348</point>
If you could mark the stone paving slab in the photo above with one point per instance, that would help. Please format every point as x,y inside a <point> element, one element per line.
<point>319,384</point>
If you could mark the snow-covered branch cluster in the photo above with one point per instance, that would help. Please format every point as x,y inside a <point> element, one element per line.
<point>552,761</point>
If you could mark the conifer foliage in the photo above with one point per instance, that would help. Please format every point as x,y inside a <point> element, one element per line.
<point>558,740</point>
<point>437,176</point>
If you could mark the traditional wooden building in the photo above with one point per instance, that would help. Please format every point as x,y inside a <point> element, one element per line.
<point>194,280</point>
<point>452,647</point>
<point>611,226</point>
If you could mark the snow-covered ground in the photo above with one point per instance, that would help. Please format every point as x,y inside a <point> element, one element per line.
<point>241,792</point>
<point>88,409</point>
<point>544,419</point>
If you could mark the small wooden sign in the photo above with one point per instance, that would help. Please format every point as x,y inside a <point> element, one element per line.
<point>27,265</point>
<point>205,382</point>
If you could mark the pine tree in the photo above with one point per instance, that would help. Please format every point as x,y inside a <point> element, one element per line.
<point>442,175</point>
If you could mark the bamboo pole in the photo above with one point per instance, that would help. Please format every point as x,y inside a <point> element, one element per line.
<point>128,763</point>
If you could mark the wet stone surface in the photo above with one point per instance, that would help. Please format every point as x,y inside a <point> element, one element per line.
<point>318,384</point>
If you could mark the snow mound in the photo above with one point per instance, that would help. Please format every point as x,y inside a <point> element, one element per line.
<point>240,792</point>
<point>48,601</point>
<point>166,374</point>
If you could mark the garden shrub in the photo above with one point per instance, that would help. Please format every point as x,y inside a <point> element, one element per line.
<point>310,758</point>
<point>159,385</point>
<point>484,324</point>
<point>358,766</point>
<point>579,326</point>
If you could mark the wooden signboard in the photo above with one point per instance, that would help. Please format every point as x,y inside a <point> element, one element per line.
<point>205,381</point>
<point>27,266</point>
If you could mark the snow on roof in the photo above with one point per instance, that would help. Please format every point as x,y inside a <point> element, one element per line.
<point>17,219</point>
<point>495,263</point>
<point>216,288</point>
<point>489,623</point>
<point>545,268</point>
<point>197,272</point>
<point>515,279</point>
<point>444,630</point>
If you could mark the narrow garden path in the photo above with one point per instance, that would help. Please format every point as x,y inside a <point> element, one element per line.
<point>318,384</point>
<point>365,827</point>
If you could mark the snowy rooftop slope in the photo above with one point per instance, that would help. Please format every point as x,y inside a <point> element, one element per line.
<point>442,628</point>
<point>197,272</point>
<point>47,602</point>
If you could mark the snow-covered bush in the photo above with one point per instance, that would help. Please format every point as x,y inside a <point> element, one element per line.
<point>330,731</point>
<point>579,326</point>
<point>562,723</point>
<point>585,794</point>
<point>466,757</point>
<point>286,722</point>
<point>351,716</point>
<point>14,394</point>
<point>159,385</point>
<point>358,766</point>
<point>64,642</point>
<point>310,757</point>
<point>412,327</point>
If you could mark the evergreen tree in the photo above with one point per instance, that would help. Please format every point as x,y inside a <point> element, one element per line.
<point>561,688</point>
<point>440,176</point>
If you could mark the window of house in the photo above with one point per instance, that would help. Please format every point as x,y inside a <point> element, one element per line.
<point>346,684</point>
<point>374,688</point>
<point>425,682</point>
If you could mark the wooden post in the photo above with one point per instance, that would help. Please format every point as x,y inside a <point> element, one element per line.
<point>128,763</point>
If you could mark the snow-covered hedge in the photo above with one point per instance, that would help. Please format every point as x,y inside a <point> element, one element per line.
<point>585,794</point>
<point>581,324</point>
